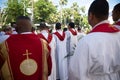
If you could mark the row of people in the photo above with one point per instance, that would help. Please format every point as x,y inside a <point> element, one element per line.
<point>95,57</point>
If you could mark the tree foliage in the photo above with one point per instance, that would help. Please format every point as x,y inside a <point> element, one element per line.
<point>43,10</point>
<point>14,9</point>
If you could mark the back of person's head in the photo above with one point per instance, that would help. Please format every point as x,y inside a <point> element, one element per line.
<point>99,8</point>
<point>8,30</point>
<point>23,24</point>
<point>116,12</point>
<point>58,26</point>
<point>79,29</point>
<point>64,29</point>
<point>42,26</point>
<point>13,24</point>
<point>71,25</point>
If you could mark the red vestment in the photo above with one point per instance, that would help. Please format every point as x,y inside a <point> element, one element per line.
<point>28,58</point>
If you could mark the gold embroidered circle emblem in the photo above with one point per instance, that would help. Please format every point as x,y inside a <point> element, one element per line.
<point>28,67</point>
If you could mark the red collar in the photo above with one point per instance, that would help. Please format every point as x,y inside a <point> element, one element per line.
<point>105,27</point>
<point>117,23</point>
<point>61,37</point>
<point>49,39</point>
<point>73,32</point>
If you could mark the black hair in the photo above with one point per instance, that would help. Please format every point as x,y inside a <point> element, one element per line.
<point>100,8</point>
<point>64,29</point>
<point>72,25</point>
<point>12,24</point>
<point>117,7</point>
<point>78,28</point>
<point>23,18</point>
<point>58,25</point>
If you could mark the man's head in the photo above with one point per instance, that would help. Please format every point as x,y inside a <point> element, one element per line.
<point>43,26</point>
<point>98,11</point>
<point>23,24</point>
<point>116,12</point>
<point>13,24</point>
<point>58,26</point>
<point>8,30</point>
<point>71,25</point>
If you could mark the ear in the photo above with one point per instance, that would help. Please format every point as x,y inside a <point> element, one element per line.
<point>91,16</point>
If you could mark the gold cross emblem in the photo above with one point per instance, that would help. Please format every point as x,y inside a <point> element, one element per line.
<point>27,54</point>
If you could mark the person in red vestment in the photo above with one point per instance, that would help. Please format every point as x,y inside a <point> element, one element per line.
<point>116,15</point>
<point>25,56</point>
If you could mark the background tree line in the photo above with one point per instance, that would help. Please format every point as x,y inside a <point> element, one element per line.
<point>45,10</point>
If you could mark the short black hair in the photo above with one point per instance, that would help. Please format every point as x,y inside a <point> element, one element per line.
<point>58,25</point>
<point>12,24</point>
<point>42,25</point>
<point>117,7</point>
<point>100,8</point>
<point>72,25</point>
<point>23,18</point>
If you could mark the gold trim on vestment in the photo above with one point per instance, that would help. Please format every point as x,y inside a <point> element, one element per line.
<point>44,59</point>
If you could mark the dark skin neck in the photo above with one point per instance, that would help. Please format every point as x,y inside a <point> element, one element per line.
<point>23,26</point>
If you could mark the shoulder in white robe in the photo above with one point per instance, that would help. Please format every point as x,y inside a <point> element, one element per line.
<point>97,57</point>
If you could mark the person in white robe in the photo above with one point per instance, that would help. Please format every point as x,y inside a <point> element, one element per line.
<point>61,52</point>
<point>116,15</point>
<point>3,38</point>
<point>13,25</point>
<point>71,40</point>
<point>80,34</point>
<point>97,55</point>
<point>44,33</point>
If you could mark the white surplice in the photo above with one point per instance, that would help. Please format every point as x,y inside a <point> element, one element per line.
<point>97,57</point>
<point>71,43</point>
<point>61,61</point>
<point>52,45</point>
<point>80,35</point>
<point>3,38</point>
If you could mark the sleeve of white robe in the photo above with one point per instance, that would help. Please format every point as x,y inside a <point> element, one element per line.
<point>79,62</point>
<point>68,41</point>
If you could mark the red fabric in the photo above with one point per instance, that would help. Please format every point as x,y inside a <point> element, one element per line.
<point>49,39</point>
<point>106,27</point>
<point>18,44</point>
<point>73,32</point>
<point>118,23</point>
<point>61,37</point>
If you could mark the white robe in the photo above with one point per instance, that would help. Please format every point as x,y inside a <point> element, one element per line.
<point>71,44</point>
<point>97,57</point>
<point>80,35</point>
<point>52,45</point>
<point>3,38</point>
<point>61,61</point>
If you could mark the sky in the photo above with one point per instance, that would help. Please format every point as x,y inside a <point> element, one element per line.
<point>87,3</point>
<point>81,3</point>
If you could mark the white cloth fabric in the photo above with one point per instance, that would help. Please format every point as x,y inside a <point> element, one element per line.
<point>97,57</point>
<point>14,31</point>
<point>52,45</point>
<point>71,43</point>
<point>3,38</point>
<point>118,26</point>
<point>61,61</point>
<point>2,33</point>
<point>80,35</point>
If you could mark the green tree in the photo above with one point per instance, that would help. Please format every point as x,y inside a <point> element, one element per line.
<point>14,9</point>
<point>43,9</point>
